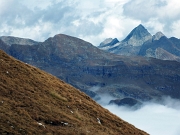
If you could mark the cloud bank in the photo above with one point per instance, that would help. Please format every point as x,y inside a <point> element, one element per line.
<point>156,118</point>
<point>90,20</point>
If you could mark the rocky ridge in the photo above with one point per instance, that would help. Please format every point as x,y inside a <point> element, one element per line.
<point>9,40</point>
<point>131,44</point>
<point>141,43</point>
<point>84,66</point>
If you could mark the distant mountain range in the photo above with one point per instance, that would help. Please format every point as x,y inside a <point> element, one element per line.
<point>33,102</point>
<point>9,40</point>
<point>140,42</point>
<point>84,66</point>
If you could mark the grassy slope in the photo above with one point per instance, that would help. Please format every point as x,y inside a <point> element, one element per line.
<point>29,96</point>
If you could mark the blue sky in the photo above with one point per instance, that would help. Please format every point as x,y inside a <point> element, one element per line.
<point>90,20</point>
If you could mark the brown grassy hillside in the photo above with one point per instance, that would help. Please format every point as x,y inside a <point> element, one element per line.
<point>35,102</point>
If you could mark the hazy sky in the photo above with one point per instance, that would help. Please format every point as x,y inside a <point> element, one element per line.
<point>91,20</point>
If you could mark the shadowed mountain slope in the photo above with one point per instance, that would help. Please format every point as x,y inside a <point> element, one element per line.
<point>35,102</point>
<point>164,43</point>
<point>84,66</point>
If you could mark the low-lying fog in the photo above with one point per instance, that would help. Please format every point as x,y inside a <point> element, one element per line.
<point>156,118</point>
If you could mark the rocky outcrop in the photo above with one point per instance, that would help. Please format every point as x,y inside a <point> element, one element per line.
<point>140,42</point>
<point>131,45</point>
<point>109,42</point>
<point>137,36</point>
<point>157,36</point>
<point>161,48</point>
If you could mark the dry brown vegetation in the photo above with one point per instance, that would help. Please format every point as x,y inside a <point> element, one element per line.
<point>35,102</point>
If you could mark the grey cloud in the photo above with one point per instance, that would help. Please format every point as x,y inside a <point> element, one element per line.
<point>62,15</point>
<point>97,20</point>
<point>143,10</point>
<point>12,13</point>
<point>57,12</point>
<point>89,28</point>
<point>162,13</point>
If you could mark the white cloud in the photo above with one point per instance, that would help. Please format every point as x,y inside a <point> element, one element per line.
<point>90,20</point>
<point>33,4</point>
<point>154,26</point>
<point>154,118</point>
<point>156,15</point>
<point>176,28</point>
<point>170,11</point>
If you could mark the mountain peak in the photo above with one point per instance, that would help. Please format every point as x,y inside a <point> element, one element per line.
<point>138,36</point>
<point>140,26</point>
<point>158,35</point>
<point>108,42</point>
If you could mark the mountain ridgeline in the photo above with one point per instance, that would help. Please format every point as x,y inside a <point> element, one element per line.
<point>33,102</point>
<point>140,42</point>
<point>84,66</point>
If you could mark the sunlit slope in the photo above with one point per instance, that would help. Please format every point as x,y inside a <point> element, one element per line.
<point>35,102</point>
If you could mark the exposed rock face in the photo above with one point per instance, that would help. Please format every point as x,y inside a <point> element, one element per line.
<point>108,43</point>
<point>161,48</point>
<point>162,54</point>
<point>81,64</point>
<point>140,42</point>
<point>175,41</point>
<point>9,40</point>
<point>157,36</point>
<point>131,45</point>
<point>137,36</point>
<point>165,55</point>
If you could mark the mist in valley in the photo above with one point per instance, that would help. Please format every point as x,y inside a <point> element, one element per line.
<point>155,117</point>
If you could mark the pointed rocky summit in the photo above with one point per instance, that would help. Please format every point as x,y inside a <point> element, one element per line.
<point>138,36</point>
<point>108,42</point>
<point>158,35</point>
<point>131,45</point>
